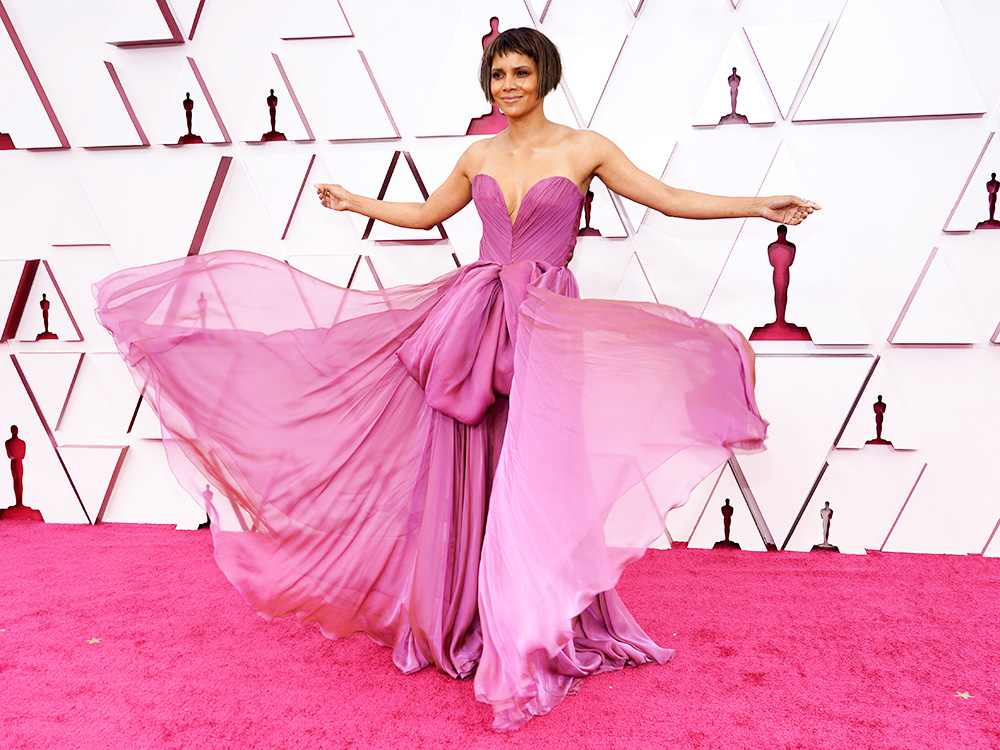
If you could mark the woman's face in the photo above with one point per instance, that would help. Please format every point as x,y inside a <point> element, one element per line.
<point>514,83</point>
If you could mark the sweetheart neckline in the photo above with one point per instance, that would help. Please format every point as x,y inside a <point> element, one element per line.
<point>517,214</point>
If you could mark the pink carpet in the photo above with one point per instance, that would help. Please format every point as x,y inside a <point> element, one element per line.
<point>121,636</point>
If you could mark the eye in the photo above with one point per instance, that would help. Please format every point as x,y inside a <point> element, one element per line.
<point>497,74</point>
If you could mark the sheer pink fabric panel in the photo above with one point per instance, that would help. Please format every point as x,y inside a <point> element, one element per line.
<point>606,394</point>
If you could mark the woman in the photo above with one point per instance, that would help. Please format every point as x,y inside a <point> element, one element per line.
<point>354,440</point>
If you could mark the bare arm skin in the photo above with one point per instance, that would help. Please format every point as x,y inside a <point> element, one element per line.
<point>453,195</point>
<point>626,179</point>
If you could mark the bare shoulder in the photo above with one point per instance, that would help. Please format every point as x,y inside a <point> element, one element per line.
<point>471,161</point>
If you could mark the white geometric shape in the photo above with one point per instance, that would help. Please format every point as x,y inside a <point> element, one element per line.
<point>784,53</point>
<point>146,475</point>
<point>141,23</point>
<point>50,377</point>
<point>805,400</point>
<point>315,229</point>
<point>752,100</point>
<point>281,181</point>
<point>887,61</point>
<point>240,220</point>
<point>73,221</point>
<point>90,416</point>
<point>290,120</point>
<point>925,524</point>
<point>26,117</point>
<point>743,530</point>
<point>92,468</point>
<point>187,13</point>
<point>634,284</point>
<point>897,427</point>
<point>935,312</point>
<point>600,266</point>
<point>809,530</point>
<point>314,19</point>
<point>465,101</point>
<point>972,206</point>
<point>117,386</point>
<point>588,62</point>
<point>169,194</point>
<point>337,88</point>
<point>205,122</point>
<point>77,268</point>
<point>871,485</point>
<point>110,121</point>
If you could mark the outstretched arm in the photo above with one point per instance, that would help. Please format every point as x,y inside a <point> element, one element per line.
<point>443,203</point>
<point>626,179</point>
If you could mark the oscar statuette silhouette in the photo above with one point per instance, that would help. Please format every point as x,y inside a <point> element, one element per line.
<point>189,137</point>
<point>781,255</point>
<point>494,121</point>
<point>15,452</point>
<point>879,408</point>
<point>992,187</point>
<point>272,108</point>
<point>586,230</point>
<point>46,333</point>
<point>825,514</point>
<point>734,92</point>
<point>727,522</point>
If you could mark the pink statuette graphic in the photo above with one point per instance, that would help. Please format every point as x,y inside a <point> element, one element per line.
<point>494,121</point>
<point>826,516</point>
<point>586,230</point>
<point>734,92</point>
<point>992,187</point>
<point>781,254</point>
<point>46,333</point>
<point>879,408</point>
<point>189,137</point>
<point>15,452</point>
<point>272,109</point>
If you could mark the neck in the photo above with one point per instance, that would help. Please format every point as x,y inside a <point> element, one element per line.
<point>527,128</point>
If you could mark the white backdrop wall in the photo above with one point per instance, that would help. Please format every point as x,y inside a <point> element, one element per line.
<point>883,111</point>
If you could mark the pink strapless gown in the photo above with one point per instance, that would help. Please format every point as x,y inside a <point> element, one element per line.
<point>457,469</point>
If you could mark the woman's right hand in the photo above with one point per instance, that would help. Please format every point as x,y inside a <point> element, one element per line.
<point>332,196</point>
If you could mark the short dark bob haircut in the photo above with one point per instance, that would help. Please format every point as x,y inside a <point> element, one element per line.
<point>528,42</point>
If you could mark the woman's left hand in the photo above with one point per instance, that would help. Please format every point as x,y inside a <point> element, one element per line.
<point>788,209</point>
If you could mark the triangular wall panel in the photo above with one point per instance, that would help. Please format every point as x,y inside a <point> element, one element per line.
<point>143,23</point>
<point>342,107</point>
<point>27,119</point>
<point>926,523</point>
<point>752,99</point>
<point>314,19</point>
<point>111,121</point>
<point>881,62</point>
<point>784,53</point>
<point>805,400</point>
<point>935,312</point>
<point>290,119</point>
<point>972,209</point>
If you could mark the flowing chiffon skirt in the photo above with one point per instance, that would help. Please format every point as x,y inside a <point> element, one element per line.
<point>459,469</point>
